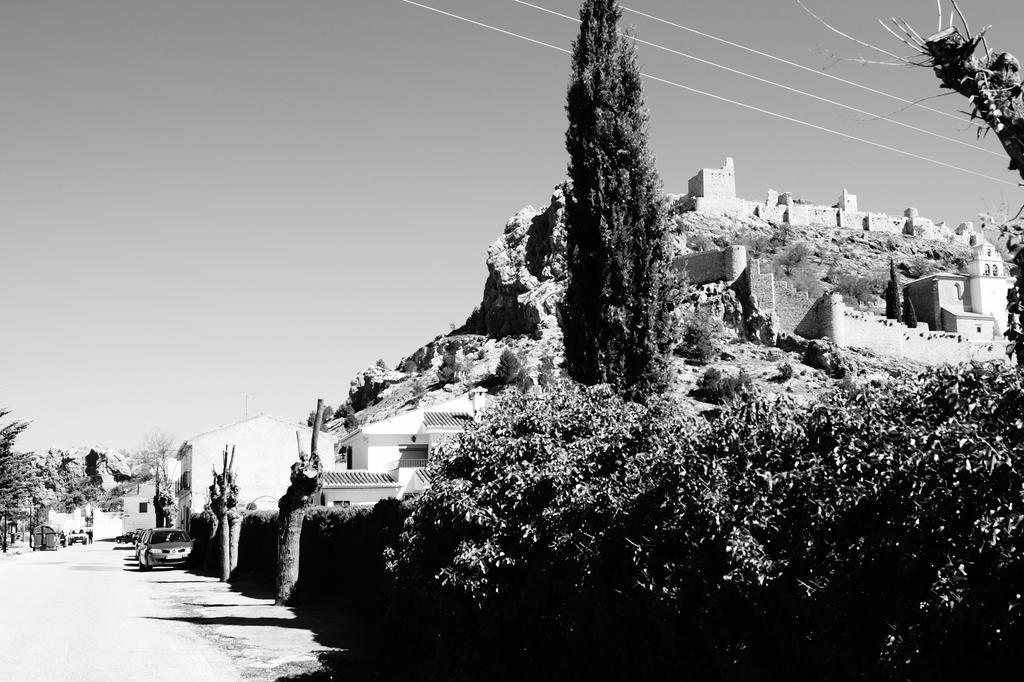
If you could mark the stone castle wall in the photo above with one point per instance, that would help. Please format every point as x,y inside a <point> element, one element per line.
<point>704,267</point>
<point>830,317</point>
<point>713,191</point>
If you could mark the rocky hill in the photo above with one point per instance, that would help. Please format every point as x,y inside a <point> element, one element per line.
<point>526,281</point>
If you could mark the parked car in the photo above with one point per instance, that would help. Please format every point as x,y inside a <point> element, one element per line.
<point>127,538</point>
<point>77,537</point>
<point>163,547</point>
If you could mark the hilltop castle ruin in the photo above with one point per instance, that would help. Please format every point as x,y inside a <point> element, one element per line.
<point>713,191</point>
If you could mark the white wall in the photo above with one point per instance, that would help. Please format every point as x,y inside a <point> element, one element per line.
<point>265,448</point>
<point>133,518</point>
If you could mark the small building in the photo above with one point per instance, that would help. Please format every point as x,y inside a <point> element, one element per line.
<point>388,458</point>
<point>972,305</point>
<point>137,505</point>
<point>265,448</point>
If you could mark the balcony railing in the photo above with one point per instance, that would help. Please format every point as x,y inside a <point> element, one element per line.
<point>407,464</point>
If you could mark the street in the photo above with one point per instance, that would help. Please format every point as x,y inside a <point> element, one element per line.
<point>84,613</point>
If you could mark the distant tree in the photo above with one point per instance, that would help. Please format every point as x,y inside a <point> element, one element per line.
<point>793,257</point>
<point>617,310</point>
<point>510,368</point>
<point>909,314</point>
<point>345,412</point>
<point>18,480</point>
<point>157,448</point>
<point>892,293</point>
<point>329,414</point>
<point>383,365</point>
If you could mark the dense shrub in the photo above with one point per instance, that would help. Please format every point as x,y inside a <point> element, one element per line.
<point>858,289</point>
<point>510,369</point>
<point>716,386</point>
<point>700,336</point>
<point>877,535</point>
<point>786,372</point>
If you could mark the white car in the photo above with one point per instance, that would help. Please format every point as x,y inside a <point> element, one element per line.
<point>163,547</point>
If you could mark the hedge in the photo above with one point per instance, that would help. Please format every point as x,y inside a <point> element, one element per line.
<point>878,535</point>
<point>342,552</point>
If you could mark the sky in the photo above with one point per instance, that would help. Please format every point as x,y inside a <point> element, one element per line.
<point>213,207</point>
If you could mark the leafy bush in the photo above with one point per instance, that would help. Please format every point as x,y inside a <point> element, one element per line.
<point>795,256</point>
<point>877,535</point>
<point>701,242</point>
<point>920,266</point>
<point>700,336</point>
<point>786,372</point>
<point>858,289</point>
<point>716,386</point>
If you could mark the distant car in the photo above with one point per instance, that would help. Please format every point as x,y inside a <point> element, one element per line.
<point>128,538</point>
<point>77,537</point>
<point>163,547</point>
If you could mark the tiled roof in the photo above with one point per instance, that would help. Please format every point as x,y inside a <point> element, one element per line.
<point>357,479</point>
<point>446,420</point>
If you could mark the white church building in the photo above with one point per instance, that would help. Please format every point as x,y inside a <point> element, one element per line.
<point>972,305</point>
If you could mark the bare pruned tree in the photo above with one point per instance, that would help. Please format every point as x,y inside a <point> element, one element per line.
<point>990,80</point>
<point>152,460</point>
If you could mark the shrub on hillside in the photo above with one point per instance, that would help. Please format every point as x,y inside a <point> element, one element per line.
<point>453,365</point>
<point>718,387</point>
<point>920,266</point>
<point>794,257</point>
<point>510,369</point>
<point>858,289</point>
<point>876,536</point>
<point>804,277</point>
<point>700,336</point>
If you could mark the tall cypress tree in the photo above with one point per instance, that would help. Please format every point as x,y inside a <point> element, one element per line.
<point>909,313</point>
<point>617,310</point>
<point>892,294</point>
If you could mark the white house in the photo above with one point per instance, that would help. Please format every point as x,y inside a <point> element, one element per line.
<point>265,448</point>
<point>137,503</point>
<point>387,458</point>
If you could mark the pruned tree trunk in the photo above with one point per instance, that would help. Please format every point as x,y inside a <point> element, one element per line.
<point>235,524</point>
<point>211,542</point>
<point>991,83</point>
<point>305,479</point>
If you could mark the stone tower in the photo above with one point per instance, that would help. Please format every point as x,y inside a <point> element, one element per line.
<point>989,281</point>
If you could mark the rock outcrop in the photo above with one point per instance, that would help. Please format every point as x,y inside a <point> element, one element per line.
<point>526,272</point>
<point>367,386</point>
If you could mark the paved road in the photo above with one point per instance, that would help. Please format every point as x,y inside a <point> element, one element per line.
<point>85,614</point>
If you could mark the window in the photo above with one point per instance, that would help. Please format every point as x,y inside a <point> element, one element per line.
<point>143,507</point>
<point>342,503</point>
<point>979,328</point>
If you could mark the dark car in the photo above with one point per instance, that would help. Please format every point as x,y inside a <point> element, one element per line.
<point>163,547</point>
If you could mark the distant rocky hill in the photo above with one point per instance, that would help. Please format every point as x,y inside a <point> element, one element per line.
<point>105,466</point>
<point>526,281</point>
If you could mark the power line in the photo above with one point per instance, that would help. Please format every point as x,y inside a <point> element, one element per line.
<point>727,100</point>
<point>793,64</point>
<point>778,85</point>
